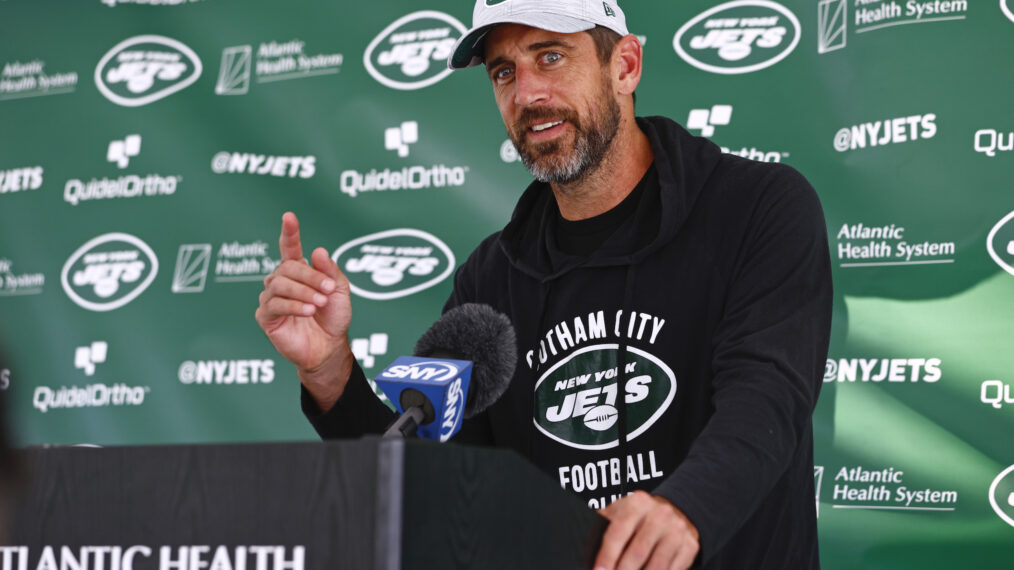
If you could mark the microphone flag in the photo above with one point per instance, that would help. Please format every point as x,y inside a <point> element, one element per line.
<point>438,386</point>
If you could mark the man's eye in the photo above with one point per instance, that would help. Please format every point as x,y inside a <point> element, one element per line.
<point>502,73</point>
<point>551,57</point>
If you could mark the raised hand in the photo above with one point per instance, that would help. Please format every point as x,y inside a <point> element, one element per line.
<point>305,311</point>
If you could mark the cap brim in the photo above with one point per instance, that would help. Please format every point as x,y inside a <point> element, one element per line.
<point>468,50</point>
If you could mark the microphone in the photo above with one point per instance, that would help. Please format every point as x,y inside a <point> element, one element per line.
<point>463,364</point>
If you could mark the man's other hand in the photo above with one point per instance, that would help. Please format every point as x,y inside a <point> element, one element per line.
<point>646,531</point>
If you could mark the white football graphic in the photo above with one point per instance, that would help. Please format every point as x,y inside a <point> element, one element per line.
<point>600,418</point>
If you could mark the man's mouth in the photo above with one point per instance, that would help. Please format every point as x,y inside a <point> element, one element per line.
<point>543,126</point>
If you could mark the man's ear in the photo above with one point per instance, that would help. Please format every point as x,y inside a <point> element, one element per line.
<point>626,64</point>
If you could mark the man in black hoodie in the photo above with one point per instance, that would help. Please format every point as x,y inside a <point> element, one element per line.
<point>672,307</point>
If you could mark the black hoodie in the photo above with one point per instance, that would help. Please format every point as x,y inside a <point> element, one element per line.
<point>715,295</point>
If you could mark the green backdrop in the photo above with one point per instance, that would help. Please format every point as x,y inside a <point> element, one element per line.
<point>149,148</point>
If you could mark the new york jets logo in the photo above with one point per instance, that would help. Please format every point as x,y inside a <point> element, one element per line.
<point>1001,495</point>
<point>412,52</point>
<point>577,400</point>
<point>1000,243</point>
<point>738,37</point>
<point>143,69</point>
<point>394,263</point>
<point>109,271</point>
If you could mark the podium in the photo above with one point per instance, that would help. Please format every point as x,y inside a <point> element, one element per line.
<point>358,504</point>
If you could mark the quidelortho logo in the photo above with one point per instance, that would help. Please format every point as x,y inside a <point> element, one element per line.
<point>86,357</point>
<point>144,69</point>
<point>885,132</point>
<point>366,349</point>
<point>120,151</point>
<point>882,370</point>
<point>1000,243</point>
<point>412,52</point>
<point>869,15</point>
<point>418,177</point>
<point>20,179</point>
<point>235,262</point>
<point>275,61</point>
<point>1001,495</point>
<point>705,120</point>
<point>227,372</point>
<point>576,400</point>
<point>991,141</point>
<point>860,245</point>
<point>996,393</point>
<point>29,79</point>
<point>227,162</point>
<point>12,283</point>
<point>91,396</point>
<point>738,37</point>
<point>109,271</point>
<point>394,263</point>
<point>398,138</point>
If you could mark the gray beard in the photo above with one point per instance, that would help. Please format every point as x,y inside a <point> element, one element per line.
<point>546,163</point>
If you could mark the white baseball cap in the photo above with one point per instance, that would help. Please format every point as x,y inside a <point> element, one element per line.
<point>563,16</point>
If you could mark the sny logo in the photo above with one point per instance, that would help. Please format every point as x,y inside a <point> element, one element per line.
<point>86,357</point>
<point>121,151</point>
<point>398,138</point>
<point>705,119</point>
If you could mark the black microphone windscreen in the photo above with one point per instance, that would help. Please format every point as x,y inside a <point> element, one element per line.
<point>478,333</point>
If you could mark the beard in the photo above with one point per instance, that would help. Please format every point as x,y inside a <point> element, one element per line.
<point>556,161</point>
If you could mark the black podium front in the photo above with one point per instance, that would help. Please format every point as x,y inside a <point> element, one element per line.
<point>369,503</point>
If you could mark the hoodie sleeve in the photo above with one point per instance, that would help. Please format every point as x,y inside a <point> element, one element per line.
<point>769,351</point>
<point>357,412</point>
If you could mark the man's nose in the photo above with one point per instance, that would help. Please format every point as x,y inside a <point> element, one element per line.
<point>531,87</point>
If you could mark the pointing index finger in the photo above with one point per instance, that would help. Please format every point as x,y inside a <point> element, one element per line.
<point>288,243</point>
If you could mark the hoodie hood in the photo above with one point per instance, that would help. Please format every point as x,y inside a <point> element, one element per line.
<point>528,240</point>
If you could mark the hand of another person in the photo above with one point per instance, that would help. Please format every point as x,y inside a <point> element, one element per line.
<point>305,311</point>
<point>646,531</point>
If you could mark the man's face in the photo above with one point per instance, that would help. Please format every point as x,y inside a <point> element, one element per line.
<point>556,99</point>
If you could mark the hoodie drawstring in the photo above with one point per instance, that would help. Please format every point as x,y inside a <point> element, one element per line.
<point>621,410</point>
